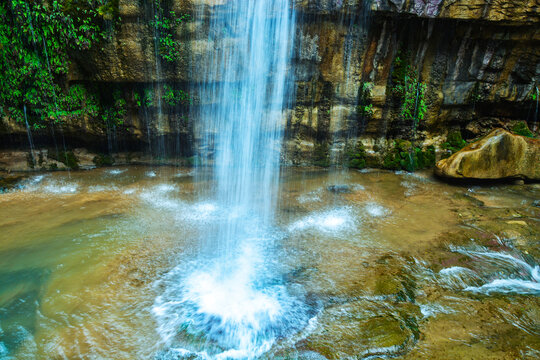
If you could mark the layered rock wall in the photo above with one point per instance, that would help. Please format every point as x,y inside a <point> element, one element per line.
<point>480,61</point>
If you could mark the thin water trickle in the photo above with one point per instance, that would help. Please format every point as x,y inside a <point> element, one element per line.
<point>30,140</point>
<point>158,82</point>
<point>535,120</point>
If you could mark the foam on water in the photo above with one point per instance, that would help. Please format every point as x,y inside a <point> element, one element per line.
<point>61,187</point>
<point>227,304</point>
<point>430,310</point>
<point>457,277</point>
<point>376,210</point>
<point>101,188</point>
<point>330,221</point>
<point>184,174</point>
<point>499,272</point>
<point>36,179</point>
<point>116,171</point>
<point>313,196</point>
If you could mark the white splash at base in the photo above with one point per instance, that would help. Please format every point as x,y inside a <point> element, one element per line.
<point>232,308</point>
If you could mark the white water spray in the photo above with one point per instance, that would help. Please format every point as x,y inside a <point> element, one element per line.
<point>230,299</point>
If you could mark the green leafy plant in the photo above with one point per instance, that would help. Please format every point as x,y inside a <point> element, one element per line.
<point>454,142</point>
<point>35,40</point>
<point>101,160</point>
<point>165,25</point>
<point>175,97</point>
<point>409,91</point>
<point>365,107</point>
<point>67,157</point>
<point>355,156</point>
<point>521,128</point>
<point>404,156</point>
<point>115,114</point>
<point>321,155</point>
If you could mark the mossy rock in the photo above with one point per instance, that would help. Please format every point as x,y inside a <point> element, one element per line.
<point>355,156</point>
<point>7,183</point>
<point>101,160</point>
<point>321,155</point>
<point>521,128</point>
<point>67,157</point>
<point>361,329</point>
<point>403,156</point>
<point>499,155</point>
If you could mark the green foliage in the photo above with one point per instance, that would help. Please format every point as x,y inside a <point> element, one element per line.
<point>148,99</point>
<point>454,142</point>
<point>355,156</point>
<point>114,114</point>
<point>404,156</point>
<point>110,9</point>
<point>175,97</point>
<point>410,92</point>
<point>101,160</point>
<point>476,95</point>
<point>67,157</point>
<point>35,38</point>
<point>321,155</point>
<point>522,129</point>
<point>365,107</point>
<point>401,68</point>
<point>137,98</point>
<point>76,103</point>
<point>165,26</point>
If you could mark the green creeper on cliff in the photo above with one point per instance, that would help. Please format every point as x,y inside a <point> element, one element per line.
<point>36,38</point>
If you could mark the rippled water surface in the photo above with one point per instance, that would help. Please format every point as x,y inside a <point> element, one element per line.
<point>106,264</point>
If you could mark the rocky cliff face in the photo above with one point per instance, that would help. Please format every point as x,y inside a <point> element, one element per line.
<point>479,60</point>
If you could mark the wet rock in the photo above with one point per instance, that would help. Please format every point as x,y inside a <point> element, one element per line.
<point>10,182</point>
<point>339,189</point>
<point>361,328</point>
<point>499,155</point>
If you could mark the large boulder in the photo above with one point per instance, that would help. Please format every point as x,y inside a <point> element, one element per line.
<point>499,155</point>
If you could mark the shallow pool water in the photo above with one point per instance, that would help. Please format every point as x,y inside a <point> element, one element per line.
<point>114,263</point>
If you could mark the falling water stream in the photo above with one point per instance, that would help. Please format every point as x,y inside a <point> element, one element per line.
<point>231,297</point>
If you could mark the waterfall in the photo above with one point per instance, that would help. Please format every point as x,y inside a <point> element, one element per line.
<point>230,298</point>
<point>243,122</point>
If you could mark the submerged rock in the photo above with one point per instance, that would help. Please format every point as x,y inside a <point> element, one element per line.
<point>499,155</point>
<point>339,189</point>
<point>10,182</point>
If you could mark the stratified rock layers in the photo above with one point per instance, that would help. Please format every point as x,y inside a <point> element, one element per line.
<point>480,60</point>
